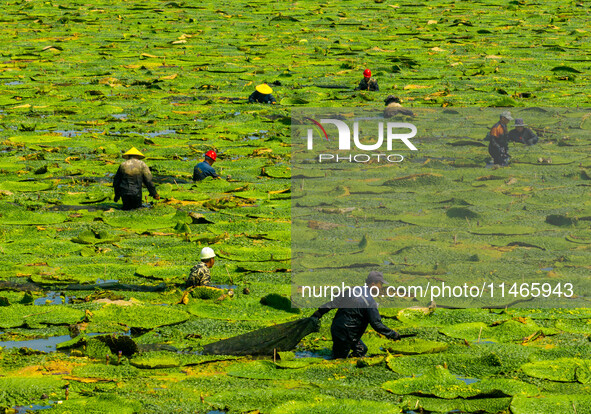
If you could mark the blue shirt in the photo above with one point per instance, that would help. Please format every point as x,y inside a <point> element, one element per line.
<point>202,171</point>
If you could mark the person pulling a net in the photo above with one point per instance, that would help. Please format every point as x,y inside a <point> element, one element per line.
<point>353,316</point>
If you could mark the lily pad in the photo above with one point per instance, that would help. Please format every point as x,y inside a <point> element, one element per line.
<point>562,369</point>
<point>440,383</point>
<point>503,230</point>
<point>510,330</point>
<point>568,404</point>
<point>330,406</point>
<point>487,405</point>
<point>140,316</point>
<point>154,360</point>
<point>415,346</point>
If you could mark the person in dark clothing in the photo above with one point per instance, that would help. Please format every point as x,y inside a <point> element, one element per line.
<point>262,94</point>
<point>498,147</point>
<point>522,134</point>
<point>367,83</point>
<point>353,316</point>
<point>129,178</point>
<point>204,169</point>
<point>394,107</point>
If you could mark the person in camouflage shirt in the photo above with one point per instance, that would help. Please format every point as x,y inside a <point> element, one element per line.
<point>129,178</point>
<point>200,273</point>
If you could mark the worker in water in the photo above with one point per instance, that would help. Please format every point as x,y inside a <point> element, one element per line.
<point>368,83</point>
<point>262,94</point>
<point>354,314</point>
<point>498,147</point>
<point>200,275</point>
<point>394,107</point>
<point>204,169</point>
<point>522,134</point>
<point>129,178</point>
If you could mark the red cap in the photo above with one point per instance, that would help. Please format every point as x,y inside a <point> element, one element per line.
<point>211,154</point>
<point>367,73</point>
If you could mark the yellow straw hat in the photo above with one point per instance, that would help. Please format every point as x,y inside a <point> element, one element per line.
<point>264,89</point>
<point>133,151</point>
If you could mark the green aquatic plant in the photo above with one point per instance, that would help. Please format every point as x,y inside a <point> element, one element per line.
<point>276,301</point>
<point>576,403</point>
<point>506,331</point>
<point>22,390</point>
<point>139,316</point>
<point>442,384</point>
<point>414,346</point>
<point>104,402</point>
<point>560,369</point>
<point>81,83</point>
<point>325,405</point>
<point>37,316</point>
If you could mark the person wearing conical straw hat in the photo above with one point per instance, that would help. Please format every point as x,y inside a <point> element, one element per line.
<point>522,134</point>
<point>128,181</point>
<point>262,94</point>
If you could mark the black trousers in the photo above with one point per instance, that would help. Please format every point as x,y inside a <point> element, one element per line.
<point>345,349</point>
<point>344,345</point>
<point>499,153</point>
<point>131,202</point>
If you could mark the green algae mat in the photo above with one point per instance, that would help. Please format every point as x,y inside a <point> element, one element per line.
<point>93,311</point>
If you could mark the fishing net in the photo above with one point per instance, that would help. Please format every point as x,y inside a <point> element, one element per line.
<point>283,337</point>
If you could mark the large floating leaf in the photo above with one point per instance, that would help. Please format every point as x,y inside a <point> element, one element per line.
<point>440,383</point>
<point>330,406</point>
<point>487,405</point>
<point>34,316</point>
<point>140,316</point>
<point>562,369</point>
<point>416,346</point>
<point>567,404</point>
<point>510,330</point>
<point>20,390</point>
<point>12,214</point>
<point>416,180</point>
<point>105,403</point>
<point>503,230</point>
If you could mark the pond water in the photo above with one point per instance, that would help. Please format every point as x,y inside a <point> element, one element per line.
<point>103,281</point>
<point>159,133</point>
<point>49,344</point>
<point>310,354</point>
<point>257,135</point>
<point>53,298</point>
<point>225,286</point>
<point>41,344</point>
<point>467,380</point>
<point>22,409</point>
